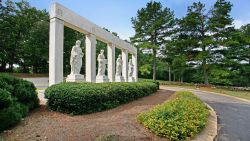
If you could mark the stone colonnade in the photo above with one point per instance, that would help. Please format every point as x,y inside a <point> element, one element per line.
<point>60,16</point>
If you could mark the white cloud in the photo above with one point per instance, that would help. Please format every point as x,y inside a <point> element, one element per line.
<point>239,23</point>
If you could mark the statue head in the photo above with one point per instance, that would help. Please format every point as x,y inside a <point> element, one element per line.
<point>119,56</point>
<point>102,51</point>
<point>78,43</point>
<point>130,60</point>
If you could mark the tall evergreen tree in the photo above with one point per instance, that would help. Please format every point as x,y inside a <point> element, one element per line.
<point>237,55</point>
<point>205,33</point>
<point>152,25</point>
<point>193,32</point>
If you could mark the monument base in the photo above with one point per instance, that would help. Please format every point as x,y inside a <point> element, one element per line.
<point>119,79</point>
<point>131,79</point>
<point>101,79</point>
<point>75,78</point>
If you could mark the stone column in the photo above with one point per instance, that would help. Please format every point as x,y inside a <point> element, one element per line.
<point>125,65</point>
<point>134,60</point>
<point>56,51</point>
<point>111,62</point>
<point>90,65</point>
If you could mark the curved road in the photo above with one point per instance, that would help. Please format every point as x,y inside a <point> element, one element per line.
<point>233,114</point>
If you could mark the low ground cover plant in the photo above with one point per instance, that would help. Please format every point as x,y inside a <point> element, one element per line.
<point>178,119</point>
<point>17,98</point>
<point>83,98</point>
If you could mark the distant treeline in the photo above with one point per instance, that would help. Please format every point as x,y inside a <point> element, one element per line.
<point>202,47</point>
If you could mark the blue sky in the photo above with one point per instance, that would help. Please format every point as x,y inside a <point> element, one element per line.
<point>116,14</point>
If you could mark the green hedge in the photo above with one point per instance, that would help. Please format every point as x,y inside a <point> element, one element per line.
<point>178,119</point>
<point>82,98</point>
<point>17,97</point>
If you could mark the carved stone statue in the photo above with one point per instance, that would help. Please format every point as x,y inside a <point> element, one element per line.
<point>130,68</point>
<point>76,58</point>
<point>119,66</point>
<point>76,64</point>
<point>101,64</point>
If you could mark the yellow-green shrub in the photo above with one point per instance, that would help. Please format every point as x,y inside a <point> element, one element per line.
<point>177,119</point>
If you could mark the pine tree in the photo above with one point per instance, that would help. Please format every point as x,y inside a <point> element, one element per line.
<point>152,25</point>
<point>205,34</point>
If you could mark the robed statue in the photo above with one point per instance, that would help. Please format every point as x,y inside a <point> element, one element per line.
<point>101,63</point>
<point>130,68</point>
<point>119,66</point>
<point>76,58</point>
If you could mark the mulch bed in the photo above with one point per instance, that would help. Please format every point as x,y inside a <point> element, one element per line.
<point>116,124</point>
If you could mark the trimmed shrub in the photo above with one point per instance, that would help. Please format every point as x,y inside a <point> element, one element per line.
<point>17,97</point>
<point>23,91</point>
<point>12,115</point>
<point>83,98</point>
<point>150,80</point>
<point>178,119</point>
<point>5,99</point>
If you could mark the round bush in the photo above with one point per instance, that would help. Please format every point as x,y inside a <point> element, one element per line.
<point>17,97</point>
<point>5,99</point>
<point>12,115</point>
<point>82,98</point>
<point>22,90</point>
<point>25,92</point>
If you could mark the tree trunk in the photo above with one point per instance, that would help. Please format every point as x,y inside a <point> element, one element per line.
<point>154,64</point>
<point>3,67</point>
<point>11,67</point>
<point>169,74</point>
<point>174,77</point>
<point>205,73</point>
<point>182,77</point>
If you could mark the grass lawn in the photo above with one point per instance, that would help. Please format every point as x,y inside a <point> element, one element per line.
<point>240,94</point>
<point>27,75</point>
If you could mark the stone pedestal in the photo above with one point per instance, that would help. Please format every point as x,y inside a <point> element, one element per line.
<point>75,78</point>
<point>131,79</point>
<point>101,79</point>
<point>119,79</point>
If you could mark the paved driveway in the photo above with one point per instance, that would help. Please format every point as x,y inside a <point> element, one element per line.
<point>233,115</point>
<point>39,82</point>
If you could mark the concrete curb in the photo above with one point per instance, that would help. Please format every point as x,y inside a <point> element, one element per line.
<point>209,133</point>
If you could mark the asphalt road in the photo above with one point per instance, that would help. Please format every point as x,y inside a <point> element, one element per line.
<point>39,82</point>
<point>233,115</point>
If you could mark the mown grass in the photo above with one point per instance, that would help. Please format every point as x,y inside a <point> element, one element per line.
<point>27,75</point>
<point>236,93</point>
<point>245,94</point>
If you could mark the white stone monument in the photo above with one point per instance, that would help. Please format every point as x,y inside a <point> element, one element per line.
<point>102,62</point>
<point>76,64</point>
<point>118,73</point>
<point>131,77</point>
<point>60,17</point>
